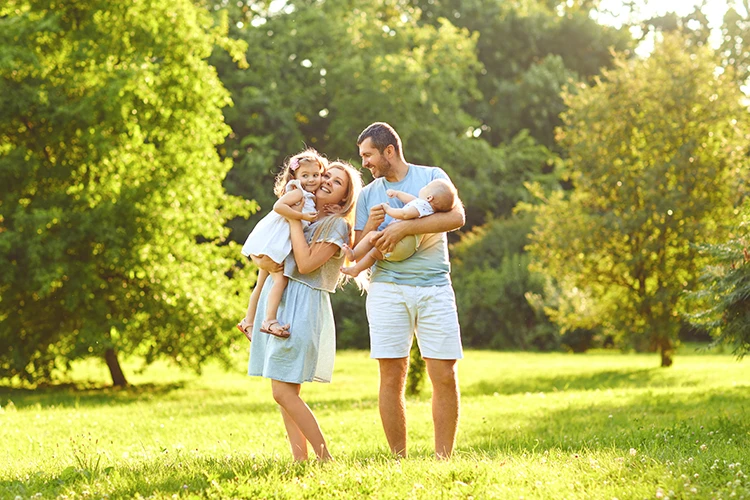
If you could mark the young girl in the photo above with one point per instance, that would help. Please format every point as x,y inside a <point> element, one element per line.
<point>295,186</point>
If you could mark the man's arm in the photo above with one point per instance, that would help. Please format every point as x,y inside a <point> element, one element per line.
<point>377,216</point>
<point>441,222</point>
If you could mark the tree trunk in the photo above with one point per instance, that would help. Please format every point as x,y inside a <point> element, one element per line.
<point>666,348</point>
<point>118,378</point>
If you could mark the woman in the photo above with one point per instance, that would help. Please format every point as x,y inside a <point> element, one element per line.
<point>308,352</point>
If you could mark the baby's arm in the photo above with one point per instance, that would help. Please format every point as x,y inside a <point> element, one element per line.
<point>401,213</point>
<point>402,196</point>
<point>285,206</point>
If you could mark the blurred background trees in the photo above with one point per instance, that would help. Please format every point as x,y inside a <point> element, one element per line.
<point>133,139</point>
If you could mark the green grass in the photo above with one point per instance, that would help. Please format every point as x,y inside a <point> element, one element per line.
<point>599,425</point>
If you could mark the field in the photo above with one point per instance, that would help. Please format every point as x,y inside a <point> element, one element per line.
<point>599,425</point>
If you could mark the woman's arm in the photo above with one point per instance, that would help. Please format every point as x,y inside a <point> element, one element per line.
<point>309,257</point>
<point>284,206</point>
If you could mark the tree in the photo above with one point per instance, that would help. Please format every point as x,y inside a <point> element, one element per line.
<point>723,302</point>
<point>530,51</point>
<point>112,213</point>
<point>492,281</point>
<point>657,155</point>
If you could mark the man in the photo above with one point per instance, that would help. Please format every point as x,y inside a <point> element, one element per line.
<point>414,295</point>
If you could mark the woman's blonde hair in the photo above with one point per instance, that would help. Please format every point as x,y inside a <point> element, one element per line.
<point>349,202</point>
<point>292,164</point>
<point>348,212</point>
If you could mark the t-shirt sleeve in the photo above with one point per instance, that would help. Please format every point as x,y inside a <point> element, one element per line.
<point>439,173</point>
<point>338,233</point>
<point>362,213</point>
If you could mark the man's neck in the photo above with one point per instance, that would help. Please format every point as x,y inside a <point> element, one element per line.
<point>398,171</point>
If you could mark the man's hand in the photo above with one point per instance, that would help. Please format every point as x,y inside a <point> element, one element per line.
<point>386,240</point>
<point>377,216</point>
<point>267,264</point>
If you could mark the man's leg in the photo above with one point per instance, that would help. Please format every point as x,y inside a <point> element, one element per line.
<point>392,402</point>
<point>445,403</point>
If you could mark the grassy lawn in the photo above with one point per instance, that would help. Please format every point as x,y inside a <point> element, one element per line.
<point>600,425</point>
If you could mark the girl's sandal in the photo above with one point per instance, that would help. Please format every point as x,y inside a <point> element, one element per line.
<point>246,329</point>
<point>281,332</point>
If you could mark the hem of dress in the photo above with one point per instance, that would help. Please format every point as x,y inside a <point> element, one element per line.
<point>314,379</point>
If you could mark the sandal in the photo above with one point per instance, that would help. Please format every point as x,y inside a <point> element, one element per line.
<point>267,327</point>
<point>246,329</point>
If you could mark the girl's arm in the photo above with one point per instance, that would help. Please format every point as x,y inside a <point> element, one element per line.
<point>401,213</point>
<point>309,257</point>
<point>402,196</point>
<point>284,206</point>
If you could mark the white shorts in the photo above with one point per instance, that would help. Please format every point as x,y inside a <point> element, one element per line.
<point>396,312</point>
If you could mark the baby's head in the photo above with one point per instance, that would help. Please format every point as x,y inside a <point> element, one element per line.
<point>439,193</point>
<point>307,167</point>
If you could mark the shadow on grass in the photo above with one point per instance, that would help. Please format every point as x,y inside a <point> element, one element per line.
<point>82,395</point>
<point>613,379</point>
<point>239,476</point>
<point>665,424</point>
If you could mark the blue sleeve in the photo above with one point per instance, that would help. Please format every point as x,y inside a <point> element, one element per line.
<point>439,173</point>
<point>363,212</point>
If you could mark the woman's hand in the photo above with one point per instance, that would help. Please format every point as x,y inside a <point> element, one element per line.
<point>267,263</point>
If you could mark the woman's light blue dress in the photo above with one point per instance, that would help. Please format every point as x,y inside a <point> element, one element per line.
<point>308,353</point>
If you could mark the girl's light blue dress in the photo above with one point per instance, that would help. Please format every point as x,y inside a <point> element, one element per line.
<point>308,353</point>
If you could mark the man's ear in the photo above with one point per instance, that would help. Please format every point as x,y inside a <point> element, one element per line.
<point>389,150</point>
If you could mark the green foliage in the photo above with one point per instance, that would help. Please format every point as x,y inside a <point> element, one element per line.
<point>492,281</point>
<point>724,298</point>
<point>111,207</point>
<point>320,72</point>
<point>658,158</point>
<point>530,52</point>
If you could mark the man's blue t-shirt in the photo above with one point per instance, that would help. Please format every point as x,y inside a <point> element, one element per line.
<point>429,266</point>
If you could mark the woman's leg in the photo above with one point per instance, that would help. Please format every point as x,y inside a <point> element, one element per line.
<point>296,438</point>
<point>287,396</point>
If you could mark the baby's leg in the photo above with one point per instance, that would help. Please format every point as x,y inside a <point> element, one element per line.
<point>365,262</point>
<point>362,248</point>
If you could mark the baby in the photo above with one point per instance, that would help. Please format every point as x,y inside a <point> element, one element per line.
<point>437,196</point>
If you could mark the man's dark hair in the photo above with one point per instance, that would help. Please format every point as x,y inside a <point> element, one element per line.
<point>382,135</point>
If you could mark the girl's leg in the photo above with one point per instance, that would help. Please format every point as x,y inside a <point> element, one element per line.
<point>270,323</point>
<point>246,325</point>
<point>287,396</point>
<point>296,438</point>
